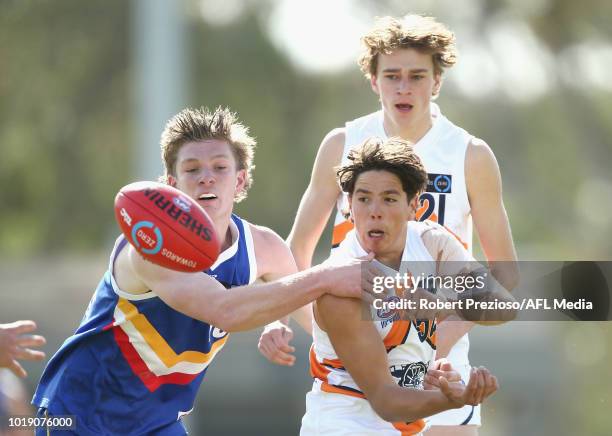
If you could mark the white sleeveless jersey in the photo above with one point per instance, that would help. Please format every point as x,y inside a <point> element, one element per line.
<point>442,151</point>
<point>410,344</point>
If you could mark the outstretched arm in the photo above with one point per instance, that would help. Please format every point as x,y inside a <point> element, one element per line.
<point>245,307</point>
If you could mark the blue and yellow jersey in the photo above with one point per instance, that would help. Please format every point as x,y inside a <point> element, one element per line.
<point>134,365</point>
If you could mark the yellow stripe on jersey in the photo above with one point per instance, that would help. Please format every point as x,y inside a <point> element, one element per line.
<point>159,345</point>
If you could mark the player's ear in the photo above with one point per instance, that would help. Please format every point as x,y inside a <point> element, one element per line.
<point>241,179</point>
<point>414,205</point>
<point>437,84</point>
<point>171,180</point>
<point>349,213</point>
<point>374,84</point>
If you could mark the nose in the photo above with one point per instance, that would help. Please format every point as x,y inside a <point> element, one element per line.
<point>206,177</point>
<point>403,87</point>
<point>375,211</point>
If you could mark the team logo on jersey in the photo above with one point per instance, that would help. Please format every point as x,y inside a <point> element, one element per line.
<point>217,333</point>
<point>409,376</point>
<point>388,314</point>
<point>440,183</point>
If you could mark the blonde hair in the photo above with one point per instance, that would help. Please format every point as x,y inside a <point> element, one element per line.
<point>424,34</point>
<point>200,125</point>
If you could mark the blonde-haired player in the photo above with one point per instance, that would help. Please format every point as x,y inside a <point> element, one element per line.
<point>404,60</point>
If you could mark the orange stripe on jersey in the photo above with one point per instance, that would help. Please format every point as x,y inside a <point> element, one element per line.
<point>410,428</point>
<point>397,335</point>
<point>340,231</point>
<point>334,363</point>
<point>465,245</point>
<point>317,370</point>
<point>333,389</point>
<point>159,345</point>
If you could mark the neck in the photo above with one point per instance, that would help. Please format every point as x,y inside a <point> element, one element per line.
<point>393,256</point>
<point>413,131</point>
<point>224,232</point>
<point>392,260</point>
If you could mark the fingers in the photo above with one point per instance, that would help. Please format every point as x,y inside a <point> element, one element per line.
<point>445,387</point>
<point>367,297</point>
<point>491,384</point>
<point>274,345</point>
<point>19,327</point>
<point>431,382</point>
<point>445,365</point>
<point>482,384</point>
<point>469,394</point>
<point>31,341</point>
<point>451,376</point>
<point>17,369</point>
<point>368,257</point>
<point>27,354</point>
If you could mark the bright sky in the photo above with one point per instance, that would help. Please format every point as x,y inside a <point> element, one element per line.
<point>322,37</point>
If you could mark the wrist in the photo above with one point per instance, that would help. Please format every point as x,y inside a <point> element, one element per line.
<point>322,278</point>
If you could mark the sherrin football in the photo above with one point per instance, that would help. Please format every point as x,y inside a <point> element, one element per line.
<point>166,226</point>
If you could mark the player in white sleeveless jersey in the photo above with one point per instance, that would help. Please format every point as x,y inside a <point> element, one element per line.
<point>404,60</point>
<point>368,374</point>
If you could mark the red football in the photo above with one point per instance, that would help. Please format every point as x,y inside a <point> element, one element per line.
<point>167,226</point>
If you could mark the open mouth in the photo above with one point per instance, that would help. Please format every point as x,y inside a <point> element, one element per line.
<point>207,197</point>
<point>376,234</point>
<point>404,107</point>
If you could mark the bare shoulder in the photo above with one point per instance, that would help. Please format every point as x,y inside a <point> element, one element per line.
<point>479,157</point>
<point>441,243</point>
<point>127,269</point>
<point>272,253</point>
<point>332,147</point>
<point>334,140</point>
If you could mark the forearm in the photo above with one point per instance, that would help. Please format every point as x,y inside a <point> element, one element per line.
<point>394,403</point>
<point>247,307</point>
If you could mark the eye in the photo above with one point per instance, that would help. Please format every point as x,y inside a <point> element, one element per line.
<point>418,77</point>
<point>390,200</point>
<point>221,167</point>
<point>191,170</point>
<point>363,199</point>
<point>392,76</point>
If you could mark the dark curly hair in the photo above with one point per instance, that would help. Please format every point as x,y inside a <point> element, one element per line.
<point>394,155</point>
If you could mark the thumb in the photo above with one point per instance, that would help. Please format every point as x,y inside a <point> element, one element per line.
<point>446,366</point>
<point>368,257</point>
<point>444,386</point>
<point>288,334</point>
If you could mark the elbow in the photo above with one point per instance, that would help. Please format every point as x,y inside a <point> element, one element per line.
<point>226,320</point>
<point>386,408</point>
<point>380,404</point>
